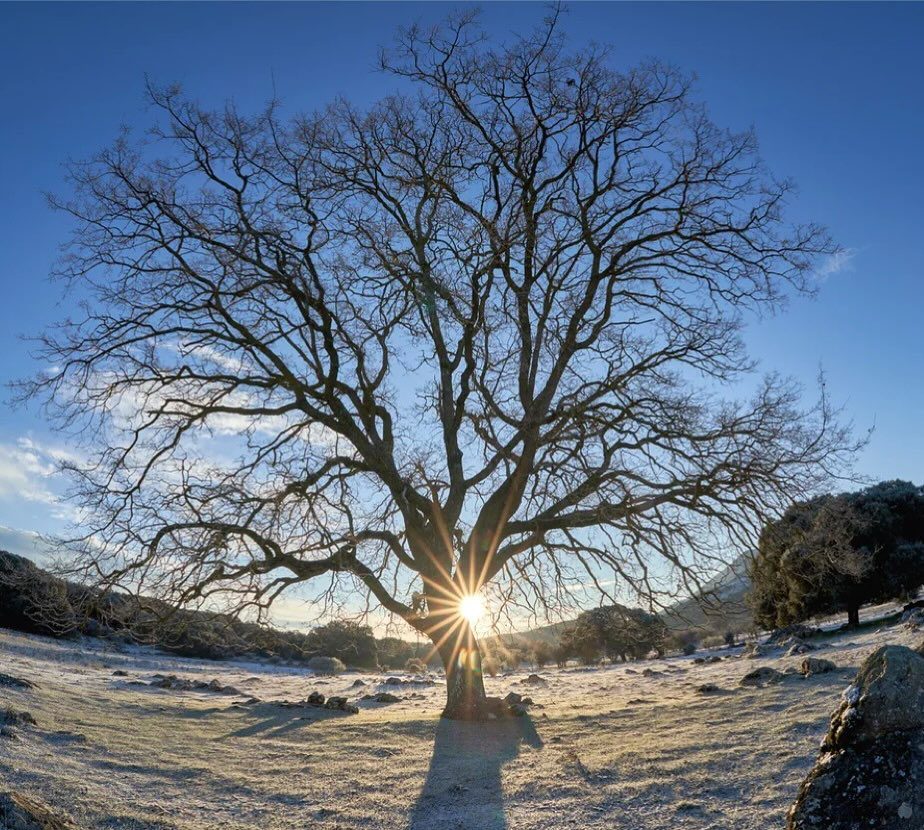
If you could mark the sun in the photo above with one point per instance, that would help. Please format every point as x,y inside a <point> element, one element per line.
<point>471,607</point>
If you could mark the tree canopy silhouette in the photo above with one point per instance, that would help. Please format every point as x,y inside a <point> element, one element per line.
<point>839,552</point>
<point>474,334</point>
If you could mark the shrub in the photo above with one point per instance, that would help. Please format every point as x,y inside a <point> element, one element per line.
<point>415,665</point>
<point>326,665</point>
<point>689,648</point>
<point>490,666</point>
<point>542,653</point>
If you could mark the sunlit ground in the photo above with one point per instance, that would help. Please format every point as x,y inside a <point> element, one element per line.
<point>610,748</point>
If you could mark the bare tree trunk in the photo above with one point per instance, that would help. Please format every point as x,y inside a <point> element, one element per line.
<point>853,616</point>
<point>465,695</point>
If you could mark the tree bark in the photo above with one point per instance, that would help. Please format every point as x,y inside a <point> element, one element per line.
<point>465,695</point>
<point>853,616</point>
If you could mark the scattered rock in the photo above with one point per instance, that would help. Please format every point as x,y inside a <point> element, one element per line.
<point>761,677</point>
<point>410,681</point>
<point>512,697</point>
<point>9,733</point>
<point>341,704</point>
<point>383,697</point>
<point>13,717</point>
<point>755,650</point>
<point>913,618</point>
<point>20,812</point>
<point>797,631</point>
<point>316,699</point>
<point>183,684</point>
<point>535,680</point>
<point>8,681</point>
<point>870,772</point>
<point>815,665</point>
<point>357,684</point>
<point>707,689</point>
<point>120,673</point>
<point>797,647</point>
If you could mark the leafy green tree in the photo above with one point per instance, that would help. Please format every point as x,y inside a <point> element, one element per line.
<point>350,642</point>
<point>836,553</point>
<point>614,631</point>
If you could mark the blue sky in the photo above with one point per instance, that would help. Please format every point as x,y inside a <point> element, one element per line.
<point>833,90</point>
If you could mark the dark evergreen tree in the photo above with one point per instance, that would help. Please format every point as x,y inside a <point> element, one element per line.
<point>838,552</point>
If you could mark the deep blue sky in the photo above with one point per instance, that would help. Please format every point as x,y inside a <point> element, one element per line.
<point>835,92</point>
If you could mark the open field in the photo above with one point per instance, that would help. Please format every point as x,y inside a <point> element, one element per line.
<point>610,747</point>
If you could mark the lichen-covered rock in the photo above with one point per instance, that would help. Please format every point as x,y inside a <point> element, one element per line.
<point>870,772</point>
<point>761,677</point>
<point>816,665</point>
<point>20,812</point>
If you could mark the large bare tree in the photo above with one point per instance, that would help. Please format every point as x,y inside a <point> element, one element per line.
<point>477,333</point>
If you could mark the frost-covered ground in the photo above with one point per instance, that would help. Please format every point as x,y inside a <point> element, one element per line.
<point>611,748</point>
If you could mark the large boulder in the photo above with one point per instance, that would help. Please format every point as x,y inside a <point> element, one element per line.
<point>870,772</point>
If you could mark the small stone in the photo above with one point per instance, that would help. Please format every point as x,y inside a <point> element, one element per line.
<point>905,810</point>
<point>518,710</point>
<point>816,665</point>
<point>512,697</point>
<point>316,699</point>
<point>761,676</point>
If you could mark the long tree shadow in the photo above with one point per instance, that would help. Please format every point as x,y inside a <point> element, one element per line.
<point>463,789</point>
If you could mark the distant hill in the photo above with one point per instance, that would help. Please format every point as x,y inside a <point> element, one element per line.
<point>720,606</point>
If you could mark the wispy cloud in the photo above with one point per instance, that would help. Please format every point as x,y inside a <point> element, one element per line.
<point>836,263</point>
<point>28,474</point>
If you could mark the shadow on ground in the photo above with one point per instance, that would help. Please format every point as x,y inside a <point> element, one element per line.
<point>272,721</point>
<point>463,790</point>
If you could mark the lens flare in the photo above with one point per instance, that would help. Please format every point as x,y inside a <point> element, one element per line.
<point>471,607</point>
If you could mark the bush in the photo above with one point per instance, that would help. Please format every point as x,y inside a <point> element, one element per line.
<point>415,665</point>
<point>490,666</point>
<point>542,653</point>
<point>347,641</point>
<point>326,665</point>
<point>688,649</point>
